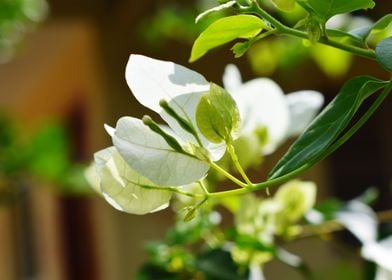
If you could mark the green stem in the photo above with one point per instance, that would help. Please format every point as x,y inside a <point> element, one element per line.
<point>327,152</point>
<point>234,158</point>
<point>227,175</point>
<point>169,188</point>
<point>204,188</point>
<point>286,30</point>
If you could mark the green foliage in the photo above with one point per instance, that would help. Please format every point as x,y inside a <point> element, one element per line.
<point>323,10</point>
<point>17,17</point>
<point>226,30</point>
<point>384,53</point>
<point>217,115</point>
<point>330,123</point>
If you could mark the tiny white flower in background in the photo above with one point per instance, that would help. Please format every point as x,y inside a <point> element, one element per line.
<point>262,103</point>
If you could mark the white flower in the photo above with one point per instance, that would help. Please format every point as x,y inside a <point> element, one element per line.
<point>362,222</point>
<point>381,254</point>
<point>151,81</point>
<point>262,104</point>
<point>142,160</point>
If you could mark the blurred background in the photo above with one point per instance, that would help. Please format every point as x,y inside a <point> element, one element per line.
<point>62,69</point>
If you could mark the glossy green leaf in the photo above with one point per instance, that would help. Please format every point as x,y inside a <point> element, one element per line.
<point>325,9</point>
<point>226,30</point>
<point>217,115</point>
<point>384,53</point>
<point>330,123</point>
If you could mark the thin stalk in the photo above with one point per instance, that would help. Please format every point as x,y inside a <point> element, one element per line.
<point>168,188</point>
<point>234,158</point>
<point>204,188</point>
<point>227,175</point>
<point>286,30</point>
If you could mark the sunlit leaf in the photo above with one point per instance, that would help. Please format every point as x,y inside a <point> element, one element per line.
<point>226,30</point>
<point>217,115</point>
<point>326,128</point>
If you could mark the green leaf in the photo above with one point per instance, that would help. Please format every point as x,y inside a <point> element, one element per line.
<point>285,5</point>
<point>218,264</point>
<point>364,32</point>
<point>240,48</point>
<point>330,123</point>
<point>325,9</point>
<point>384,53</point>
<point>217,115</point>
<point>226,30</point>
<point>221,7</point>
<point>344,37</point>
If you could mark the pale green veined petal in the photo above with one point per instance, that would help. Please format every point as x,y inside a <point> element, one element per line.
<point>148,154</point>
<point>261,103</point>
<point>232,78</point>
<point>151,80</point>
<point>303,107</point>
<point>121,186</point>
<point>185,105</point>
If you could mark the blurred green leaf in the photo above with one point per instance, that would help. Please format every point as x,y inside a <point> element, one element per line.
<point>328,125</point>
<point>49,152</point>
<point>285,5</point>
<point>226,30</point>
<point>218,264</point>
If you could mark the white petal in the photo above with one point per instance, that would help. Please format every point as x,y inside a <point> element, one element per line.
<point>151,80</point>
<point>120,185</point>
<point>360,220</point>
<point>262,103</point>
<point>303,106</point>
<point>380,253</point>
<point>232,78</point>
<point>110,130</point>
<point>148,154</point>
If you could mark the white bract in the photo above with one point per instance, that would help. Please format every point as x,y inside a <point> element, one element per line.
<point>151,81</point>
<point>262,104</point>
<point>142,160</point>
<point>125,189</point>
<point>362,222</point>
